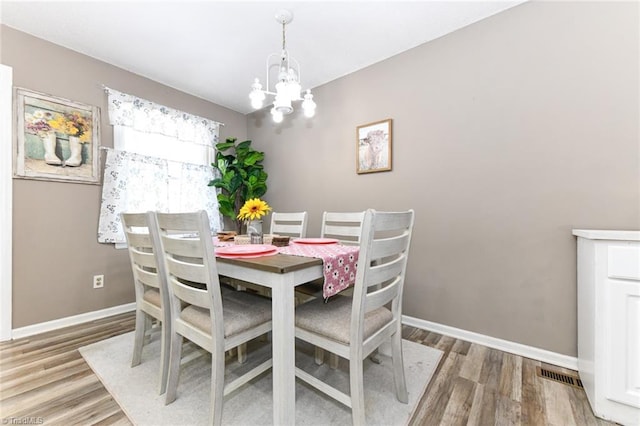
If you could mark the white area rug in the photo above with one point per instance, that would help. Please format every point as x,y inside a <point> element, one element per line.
<point>136,389</point>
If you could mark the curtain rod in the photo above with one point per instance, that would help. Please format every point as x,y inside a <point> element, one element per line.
<point>106,90</point>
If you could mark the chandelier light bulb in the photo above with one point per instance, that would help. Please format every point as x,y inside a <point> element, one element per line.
<point>276,115</point>
<point>256,103</point>
<point>257,95</point>
<point>308,106</point>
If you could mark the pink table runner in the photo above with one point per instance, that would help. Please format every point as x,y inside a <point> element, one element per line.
<point>340,262</point>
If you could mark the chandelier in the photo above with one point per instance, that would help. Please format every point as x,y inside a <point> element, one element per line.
<point>287,82</point>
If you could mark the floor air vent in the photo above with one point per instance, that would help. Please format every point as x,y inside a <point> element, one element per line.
<point>560,377</point>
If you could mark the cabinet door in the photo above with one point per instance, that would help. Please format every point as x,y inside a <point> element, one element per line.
<point>623,363</point>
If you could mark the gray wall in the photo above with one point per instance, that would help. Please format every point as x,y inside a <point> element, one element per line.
<point>55,249</point>
<point>506,135</point>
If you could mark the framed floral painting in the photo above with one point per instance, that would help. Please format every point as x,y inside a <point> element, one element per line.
<point>373,147</point>
<point>57,139</point>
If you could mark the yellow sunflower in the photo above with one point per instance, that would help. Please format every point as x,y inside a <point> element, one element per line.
<point>253,209</point>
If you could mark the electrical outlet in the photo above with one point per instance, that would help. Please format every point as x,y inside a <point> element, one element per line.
<point>98,281</point>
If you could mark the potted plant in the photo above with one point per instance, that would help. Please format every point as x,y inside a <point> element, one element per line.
<point>242,177</point>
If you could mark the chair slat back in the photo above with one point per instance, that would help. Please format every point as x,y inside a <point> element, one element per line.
<point>381,297</point>
<point>184,246</point>
<point>143,257</point>
<point>343,226</point>
<point>382,263</point>
<point>188,254</point>
<point>147,277</point>
<point>389,247</point>
<point>144,261</point>
<point>383,272</point>
<point>190,295</point>
<point>191,270</point>
<point>289,224</point>
<point>140,239</point>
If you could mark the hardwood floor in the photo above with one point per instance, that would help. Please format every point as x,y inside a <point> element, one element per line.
<point>477,385</point>
<point>44,380</point>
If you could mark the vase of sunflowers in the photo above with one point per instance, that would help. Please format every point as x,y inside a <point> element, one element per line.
<point>252,213</point>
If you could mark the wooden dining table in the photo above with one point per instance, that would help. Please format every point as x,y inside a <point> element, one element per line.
<point>281,273</point>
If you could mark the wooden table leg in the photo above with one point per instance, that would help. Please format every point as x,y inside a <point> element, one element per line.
<point>283,341</point>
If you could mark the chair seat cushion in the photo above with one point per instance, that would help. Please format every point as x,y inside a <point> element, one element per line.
<point>240,310</point>
<point>333,319</point>
<point>152,296</point>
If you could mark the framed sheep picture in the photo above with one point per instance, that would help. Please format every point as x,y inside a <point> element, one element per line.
<point>373,147</point>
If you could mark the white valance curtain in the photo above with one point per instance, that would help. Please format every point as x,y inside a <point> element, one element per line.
<point>142,173</point>
<point>149,117</point>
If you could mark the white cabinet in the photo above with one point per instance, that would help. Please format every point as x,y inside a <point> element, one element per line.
<point>609,322</point>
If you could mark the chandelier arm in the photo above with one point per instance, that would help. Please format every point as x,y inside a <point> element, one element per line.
<point>297,67</point>
<point>268,72</point>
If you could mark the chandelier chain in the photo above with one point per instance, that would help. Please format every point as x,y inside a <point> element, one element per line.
<point>283,36</point>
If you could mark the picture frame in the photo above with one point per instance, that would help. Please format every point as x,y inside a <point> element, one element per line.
<point>56,139</point>
<point>373,147</point>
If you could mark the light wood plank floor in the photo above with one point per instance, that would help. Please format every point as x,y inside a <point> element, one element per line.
<point>44,378</point>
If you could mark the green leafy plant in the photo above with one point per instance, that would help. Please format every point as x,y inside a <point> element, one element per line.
<point>242,177</point>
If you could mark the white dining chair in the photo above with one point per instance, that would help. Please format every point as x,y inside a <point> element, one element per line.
<point>353,327</point>
<point>201,315</point>
<point>289,224</point>
<point>149,280</point>
<point>344,227</point>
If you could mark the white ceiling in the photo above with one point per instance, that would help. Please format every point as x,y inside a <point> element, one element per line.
<point>214,49</point>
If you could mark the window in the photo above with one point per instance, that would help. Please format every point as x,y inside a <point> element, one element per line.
<point>160,161</point>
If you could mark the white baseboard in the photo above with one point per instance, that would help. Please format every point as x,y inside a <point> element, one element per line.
<point>43,327</point>
<point>538,354</point>
<point>526,351</point>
